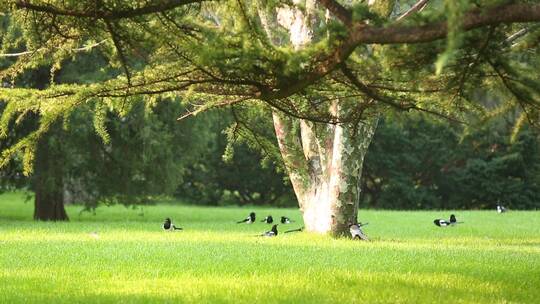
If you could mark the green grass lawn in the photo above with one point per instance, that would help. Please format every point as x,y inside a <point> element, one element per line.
<point>491,258</point>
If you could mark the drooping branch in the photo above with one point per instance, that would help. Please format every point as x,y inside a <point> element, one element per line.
<point>155,7</point>
<point>217,105</point>
<point>388,101</point>
<point>79,49</point>
<point>120,51</point>
<point>371,93</point>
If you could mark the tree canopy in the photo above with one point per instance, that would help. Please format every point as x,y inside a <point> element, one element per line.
<point>431,56</point>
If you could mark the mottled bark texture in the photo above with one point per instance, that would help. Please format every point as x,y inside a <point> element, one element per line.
<point>48,179</point>
<point>324,161</point>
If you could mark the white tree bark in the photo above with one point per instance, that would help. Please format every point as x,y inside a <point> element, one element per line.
<point>324,161</point>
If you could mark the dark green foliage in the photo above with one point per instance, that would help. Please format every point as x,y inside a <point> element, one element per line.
<point>239,180</point>
<point>403,164</point>
<point>11,176</point>
<point>424,164</point>
<point>496,171</point>
<point>146,155</point>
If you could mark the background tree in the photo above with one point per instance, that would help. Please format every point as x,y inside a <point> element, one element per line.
<point>230,172</point>
<point>419,163</point>
<point>143,153</point>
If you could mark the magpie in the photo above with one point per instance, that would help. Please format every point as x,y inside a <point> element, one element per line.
<point>286,220</point>
<point>272,232</point>
<point>501,209</point>
<point>453,220</point>
<point>441,223</point>
<point>169,226</point>
<point>248,220</point>
<point>295,230</point>
<point>445,223</point>
<point>357,233</point>
<point>269,220</point>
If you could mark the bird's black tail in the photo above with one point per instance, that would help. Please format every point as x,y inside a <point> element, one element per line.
<point>177,228</point>
<point>295,230</point>
<point>242,221</point>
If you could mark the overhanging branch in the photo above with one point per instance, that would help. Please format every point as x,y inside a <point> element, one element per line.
<point>388,101</point>
<point>79,49</point>
<point>361,33</point>
<point>156,7</point>
<point>476,18</point>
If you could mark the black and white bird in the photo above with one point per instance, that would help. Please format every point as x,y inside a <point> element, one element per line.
<point>272,232</point>
<point>501,209</point>
<point>453,220</point>
<point>269,220</point>
<point>441,223</point>
<point>444,223</point>
<point>357,233</point>
<point>248,220</point>
<point>286,220</point>
<point>169,226</point>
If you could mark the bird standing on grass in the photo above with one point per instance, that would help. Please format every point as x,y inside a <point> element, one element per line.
<point>269,220</point>
<point>444,223</point>
<point>501,209</point>
<point>357,233</point>
<point>169,226</point>
<point>286,220</point>
<point>248,220</point>
<point>453,220</point>
<point>271,233</point>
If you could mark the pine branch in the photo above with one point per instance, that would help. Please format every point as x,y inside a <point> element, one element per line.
<point>157,7</point>
<point>121,54</point>
<point>80,49</point>
<point>388,101</point>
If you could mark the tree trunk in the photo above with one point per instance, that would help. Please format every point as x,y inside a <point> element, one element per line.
<point>48,179</point>
<point>324,161</point>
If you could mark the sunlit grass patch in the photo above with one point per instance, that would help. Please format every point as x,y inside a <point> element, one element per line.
<point>118,255</point>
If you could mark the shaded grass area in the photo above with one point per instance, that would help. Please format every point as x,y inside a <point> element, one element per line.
<point>119,255</point>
